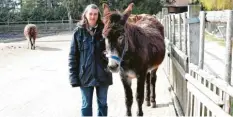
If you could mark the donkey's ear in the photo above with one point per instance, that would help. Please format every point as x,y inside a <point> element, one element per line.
<point>129,8</point>
<point>106,9</point>
<point>127,12</point>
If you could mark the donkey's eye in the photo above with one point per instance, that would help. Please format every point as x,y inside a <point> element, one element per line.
<point>120,37</point>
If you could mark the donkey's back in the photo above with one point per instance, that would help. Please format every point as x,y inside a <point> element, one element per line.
<point>153,38</point>
<point>30,32</point>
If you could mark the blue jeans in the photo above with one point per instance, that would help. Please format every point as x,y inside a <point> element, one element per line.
<point>87,95</point>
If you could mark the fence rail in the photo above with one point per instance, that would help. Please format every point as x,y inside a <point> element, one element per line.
<point>43,26</point>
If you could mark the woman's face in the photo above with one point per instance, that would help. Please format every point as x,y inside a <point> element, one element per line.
<point>92,16</point>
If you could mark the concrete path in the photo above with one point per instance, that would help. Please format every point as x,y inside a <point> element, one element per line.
<point>34,83</point>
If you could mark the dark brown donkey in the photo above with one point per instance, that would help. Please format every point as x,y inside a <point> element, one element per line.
<point>30,32</point>
<point>135,50</point>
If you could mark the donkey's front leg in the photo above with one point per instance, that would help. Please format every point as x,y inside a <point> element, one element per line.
<point>128,93</point>
<point>140,92</point>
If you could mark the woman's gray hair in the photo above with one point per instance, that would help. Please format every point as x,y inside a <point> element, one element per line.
<point>84,19</point>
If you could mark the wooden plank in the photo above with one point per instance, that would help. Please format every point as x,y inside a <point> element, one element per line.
<point>184,16</point>
<point>208,112</point>
<point>205,100</point>
<point>187,104</point>
<point>203,110</point>
<point>215,98</point>
<point>179,31</point>
<point>170,28</point>
<point>173,30</point>
<point>216,16</point>
<point>191,105</point>
<point>221,84</point>
<point>180,53</point>
<point>194,34</point>
<point>175,99</point>
<point>202,38</point>
<point>180,69</point>
<point>177,104</point>
<point>228,51</point>
<point>167,26</point>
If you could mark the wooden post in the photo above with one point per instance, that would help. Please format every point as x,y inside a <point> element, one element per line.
<point>179,31</point>
<point>165,26</point>
<point>170,28</point>
<point>170,40</point>
<point>185,33</point>
<point>164,12</point>
<point>202,40</point>
<point>167,22</point>
<point>173,30</point>
<point>163,16</point>
<point>46,26</point>
<point>70,22</point>
<point>8,25</point>
<point>194,33</point>
<point>228,51</point>
<point>192,43</point>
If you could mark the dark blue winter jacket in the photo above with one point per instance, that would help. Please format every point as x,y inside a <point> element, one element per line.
<point>87,63</point>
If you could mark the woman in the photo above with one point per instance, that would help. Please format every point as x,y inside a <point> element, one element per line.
<point>87,63</point>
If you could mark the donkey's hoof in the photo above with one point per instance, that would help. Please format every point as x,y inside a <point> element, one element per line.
<point>139,114</point>
<point>147,103</point>
<point>153,104</point>
<point>128,114</point>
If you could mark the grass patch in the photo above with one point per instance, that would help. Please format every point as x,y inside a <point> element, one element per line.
<point>220,41</point>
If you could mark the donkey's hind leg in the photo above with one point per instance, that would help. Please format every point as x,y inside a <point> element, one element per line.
<point>152,88</point>
<point>147,99</point>
<point>33,43</point>
<point>28,40</point>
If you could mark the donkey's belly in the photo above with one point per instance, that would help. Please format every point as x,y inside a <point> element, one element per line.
<point>131,74</point>
<point>153,67</point>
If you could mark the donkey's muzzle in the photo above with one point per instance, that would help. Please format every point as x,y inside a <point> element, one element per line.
<point>113,68</point>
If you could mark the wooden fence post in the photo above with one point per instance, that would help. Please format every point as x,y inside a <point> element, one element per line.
<point>8,25</point>
<point>194,33</point>
<point>173,37</point>
<point>193,23</point>
<point>228,60</point>
<point>164,12</point>
<point>185,32</point>
<point>46,27</point>
<point>179,32</point>
<point>163,15</point>
<point>70,22</point>
<point>202,40</point>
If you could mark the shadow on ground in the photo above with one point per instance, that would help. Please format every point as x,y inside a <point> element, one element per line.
<point>163,105</point>
<point>47,48</point>
<point>55,41</point>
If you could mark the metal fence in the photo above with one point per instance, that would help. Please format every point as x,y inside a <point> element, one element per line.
<point>43,26</point>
